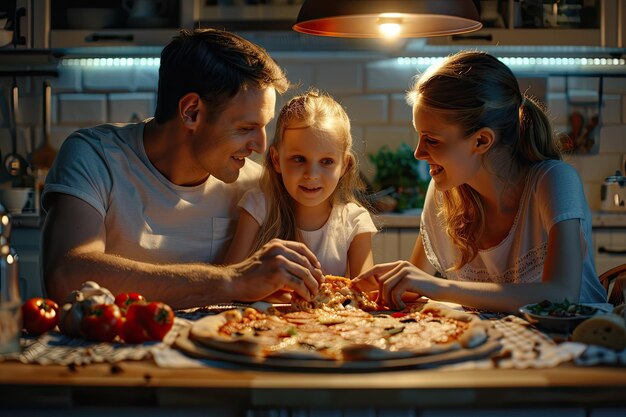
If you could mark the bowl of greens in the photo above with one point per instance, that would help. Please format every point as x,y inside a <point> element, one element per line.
<point>558,317</point>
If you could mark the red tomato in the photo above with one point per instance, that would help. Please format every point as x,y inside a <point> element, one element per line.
<point>147,321</point>
<point>40,315</point>
<point>160,319</point>
<point>125,299</point>
<point>102,322</point>
<point>133,332</point>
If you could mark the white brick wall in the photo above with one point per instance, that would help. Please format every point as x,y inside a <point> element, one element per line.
<point>69,80</point>
<point>367,109</point>
<point>401,112</point>
<point>108,79</point>
<point>126,107</point>
<point>82,109</point>
<point>387,76</point>
<point>341,78</point>
<point>301,75</point>
<point>145,78</point>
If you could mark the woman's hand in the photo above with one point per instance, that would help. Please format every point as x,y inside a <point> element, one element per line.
<point>278,265</point>
<point>394,279</point>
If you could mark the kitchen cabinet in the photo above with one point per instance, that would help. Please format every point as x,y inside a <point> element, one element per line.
<point>396,236</point>
<point>80,23</point>
<point>77,23</point>
<point>26,28</point>
<point>508,22</point>
<point>393,244</point>
<point>275,15</point>
<point>609,248</point>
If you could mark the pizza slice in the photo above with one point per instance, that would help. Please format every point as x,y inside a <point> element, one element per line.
<point>336,293</point>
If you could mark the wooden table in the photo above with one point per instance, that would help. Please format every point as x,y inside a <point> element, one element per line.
<point>254,392</point>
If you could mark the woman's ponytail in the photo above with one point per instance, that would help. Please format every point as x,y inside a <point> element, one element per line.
<point>537,141</point>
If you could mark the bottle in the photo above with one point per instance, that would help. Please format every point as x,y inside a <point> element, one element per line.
<point>10,300</point>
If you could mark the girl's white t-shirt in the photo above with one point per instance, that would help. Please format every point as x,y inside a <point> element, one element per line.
<point>552,193</point>
<point>331,242</point>
<point>147,218</point>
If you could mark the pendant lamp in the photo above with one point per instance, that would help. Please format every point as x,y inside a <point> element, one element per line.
<point>387,18</point>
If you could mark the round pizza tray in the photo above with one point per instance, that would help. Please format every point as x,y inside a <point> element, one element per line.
<point>197,350</point>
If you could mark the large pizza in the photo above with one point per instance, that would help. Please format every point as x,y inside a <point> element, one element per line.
<point>341,325</point>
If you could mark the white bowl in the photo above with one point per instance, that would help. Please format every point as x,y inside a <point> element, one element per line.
<point>541,317</point>
<point>14,199</point>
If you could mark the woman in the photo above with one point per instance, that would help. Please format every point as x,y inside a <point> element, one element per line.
<point>505,220</point>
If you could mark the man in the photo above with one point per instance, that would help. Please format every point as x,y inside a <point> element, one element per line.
<point>150,207</point>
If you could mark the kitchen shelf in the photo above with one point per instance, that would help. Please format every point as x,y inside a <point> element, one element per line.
<point>74,38</point>
<point>28,62</point>
<point>520,36</point>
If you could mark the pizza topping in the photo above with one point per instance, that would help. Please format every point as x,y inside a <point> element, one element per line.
<point>336,293</point>
<point>395,330</point>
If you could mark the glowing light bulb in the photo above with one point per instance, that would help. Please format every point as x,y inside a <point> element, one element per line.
<point>389,26</point>
<point>389,30</point>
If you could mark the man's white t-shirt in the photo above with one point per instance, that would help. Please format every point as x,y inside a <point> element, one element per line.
<point>552,193</point>
<point>147,218</point>
<point>329,243</point>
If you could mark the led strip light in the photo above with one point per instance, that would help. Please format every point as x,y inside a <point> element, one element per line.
<point>528,61</point>
<point>419,61</point>
<point>111,62</point>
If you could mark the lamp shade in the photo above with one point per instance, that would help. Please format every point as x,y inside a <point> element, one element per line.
<point>369,18</point>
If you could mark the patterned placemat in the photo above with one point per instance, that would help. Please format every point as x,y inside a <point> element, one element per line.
<point>523,346</point>
<point>55,348</point>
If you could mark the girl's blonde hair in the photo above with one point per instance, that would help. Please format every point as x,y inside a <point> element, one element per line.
<point>474,90</point>
<point>319,111</point>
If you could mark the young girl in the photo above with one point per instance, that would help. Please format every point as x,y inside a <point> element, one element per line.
<point>307,190</point>
<point>505,220</point>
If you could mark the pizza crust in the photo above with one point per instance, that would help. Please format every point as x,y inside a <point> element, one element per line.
<point>364,352</point>
<point>206,331</point>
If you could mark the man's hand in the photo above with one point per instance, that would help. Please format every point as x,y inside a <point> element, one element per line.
<point>278,265</point>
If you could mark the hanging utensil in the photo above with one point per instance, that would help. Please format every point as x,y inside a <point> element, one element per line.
<point>14,163</point>
<point>43,157</point>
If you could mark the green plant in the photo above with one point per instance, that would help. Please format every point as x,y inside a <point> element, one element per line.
<point>399,169</point>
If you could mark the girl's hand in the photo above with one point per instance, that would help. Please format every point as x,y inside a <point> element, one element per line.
<point>393,280</point>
